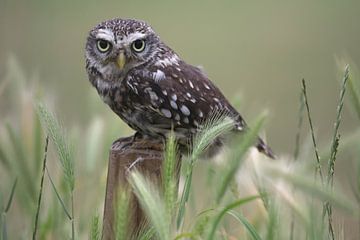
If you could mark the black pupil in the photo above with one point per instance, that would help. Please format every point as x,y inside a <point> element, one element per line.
<point>138,44</point>
<point>103,44</point>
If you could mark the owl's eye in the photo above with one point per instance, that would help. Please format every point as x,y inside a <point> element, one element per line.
<point>103,45</point>
<point>138,45</point>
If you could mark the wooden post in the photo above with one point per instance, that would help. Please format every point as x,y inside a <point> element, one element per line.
<point>126,154</point>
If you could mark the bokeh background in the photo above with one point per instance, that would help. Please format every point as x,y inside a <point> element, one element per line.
<point>256,52</point>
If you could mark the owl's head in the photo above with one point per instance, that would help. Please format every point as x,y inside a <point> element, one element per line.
<point>115,46</point>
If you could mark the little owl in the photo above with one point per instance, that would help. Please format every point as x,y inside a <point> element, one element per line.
<point>150,87</point>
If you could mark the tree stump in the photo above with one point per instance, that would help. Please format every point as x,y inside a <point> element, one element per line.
<point>126,154</point>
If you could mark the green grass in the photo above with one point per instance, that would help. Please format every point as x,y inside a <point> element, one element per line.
<point>245,196</point>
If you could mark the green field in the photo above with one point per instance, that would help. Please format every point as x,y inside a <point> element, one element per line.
<point>257,53</point>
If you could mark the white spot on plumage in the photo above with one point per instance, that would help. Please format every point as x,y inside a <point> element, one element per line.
<point>201,114</point>
<point>174,97</point>
<point>216,99</point>
<point>188,94</point>
<point>153,96</point>
<point>206,86</point>
<point>186,120</point>
<point>164,92</point>
<point>132,87</point>
<point>168,61</point>
<point>191,84</point>
<point>177,117</point>
<point>185,110</point>
<point>166,112</point>
<point>173,104</point>
<point>193,100</point>
<point>158,75</point>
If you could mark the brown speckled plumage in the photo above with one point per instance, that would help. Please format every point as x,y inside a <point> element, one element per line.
<point>154,90</point>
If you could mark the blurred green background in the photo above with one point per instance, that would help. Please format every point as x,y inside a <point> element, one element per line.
<point>260,50</point>
<point>256,52</point>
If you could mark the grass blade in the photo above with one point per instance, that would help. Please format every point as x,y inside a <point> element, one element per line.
<point>335,139</point>
<point>169,174</point>
<point>122,215</point>
<point>11,196</point>
<point>318,161</point>
<point>246,141</point>
<point>299,125</point>
<point>248,226</point>
<point>354,94</point>
<point>5,211</point>
<point>333,152</point>
<point>217,124</point>
<point>63,149</point>
<point>152,204</point>
<point>41,188</point>
<point>3,227</point>
<point>225,210</point>
<point>21,161</point>
<point>37,144</point>
<point>145,233</point>
<point>95,228</point>
<point>314,189</point>
<point>4,159</point>
<point>58,195</point>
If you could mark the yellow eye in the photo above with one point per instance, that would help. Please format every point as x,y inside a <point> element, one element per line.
<point>138,45</point>
<point>103,45</point>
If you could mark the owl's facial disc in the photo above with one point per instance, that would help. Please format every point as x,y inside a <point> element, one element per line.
<point>114,48</point>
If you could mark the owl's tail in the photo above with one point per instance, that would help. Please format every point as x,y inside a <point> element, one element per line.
<point>241,126</point>
<point>265,149</point>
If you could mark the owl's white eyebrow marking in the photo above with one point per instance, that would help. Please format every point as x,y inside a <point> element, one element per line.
<point>132,37</point>
<point>105,34</point>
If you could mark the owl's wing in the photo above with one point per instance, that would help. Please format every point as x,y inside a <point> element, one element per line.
<point>181,97</point>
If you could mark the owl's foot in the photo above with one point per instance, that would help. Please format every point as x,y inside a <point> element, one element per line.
<point>137,136</point>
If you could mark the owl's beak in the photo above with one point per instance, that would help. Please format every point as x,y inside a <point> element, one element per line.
<point>121,60</point>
